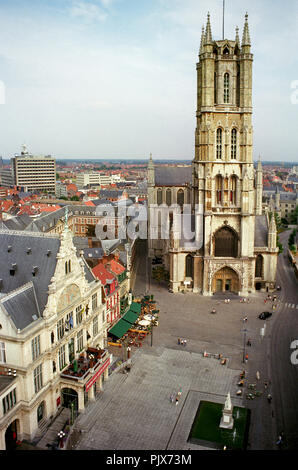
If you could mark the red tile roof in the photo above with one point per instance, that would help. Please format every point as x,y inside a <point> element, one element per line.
<point>102,273</point>
<point>116,267</point>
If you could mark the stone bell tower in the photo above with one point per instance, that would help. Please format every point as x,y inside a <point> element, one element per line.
<point>223,171</point>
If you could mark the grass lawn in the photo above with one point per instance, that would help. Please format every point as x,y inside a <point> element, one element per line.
<point>206,431</point>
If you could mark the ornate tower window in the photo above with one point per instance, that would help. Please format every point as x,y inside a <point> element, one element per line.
<point>225,243</point>
<point>233,186</point>
<point>219,143</point>
<point>226,88</point>
<point>218,189</point>
<point>234,144</point>
<point>215,88</point>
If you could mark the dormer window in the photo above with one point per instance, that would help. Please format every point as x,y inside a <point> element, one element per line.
<point>13,269</point>
<point>226,51</point>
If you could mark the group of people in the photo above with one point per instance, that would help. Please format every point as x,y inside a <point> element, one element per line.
<point>177,397</point>
<point>182,341</point>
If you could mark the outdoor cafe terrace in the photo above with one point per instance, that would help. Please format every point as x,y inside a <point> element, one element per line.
<point>135,324</point>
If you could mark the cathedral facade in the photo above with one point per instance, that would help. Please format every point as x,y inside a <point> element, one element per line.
<point>233,248</point>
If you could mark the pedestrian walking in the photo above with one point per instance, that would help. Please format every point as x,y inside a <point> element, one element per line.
<point>177,399</point>
<point>258,375</point>
<point>184,343</point>
<point>244,319</point>
<point>269,398</point>
<point>179,340</point>
<point>172,398</point>
<point>246,357</point>
<point>248,342</point>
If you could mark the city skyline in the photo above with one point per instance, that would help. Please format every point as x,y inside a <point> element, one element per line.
<point>112,79</point>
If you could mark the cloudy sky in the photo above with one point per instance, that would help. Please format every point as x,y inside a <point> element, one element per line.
<point>117,78</point>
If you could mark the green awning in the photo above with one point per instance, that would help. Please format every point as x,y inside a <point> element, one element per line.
<point>120,328</point>
<point>136,307</point>
<point>130,317</point>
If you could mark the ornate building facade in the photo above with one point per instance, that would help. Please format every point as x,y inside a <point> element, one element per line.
<point>233,248</point>
<point>53,332</point>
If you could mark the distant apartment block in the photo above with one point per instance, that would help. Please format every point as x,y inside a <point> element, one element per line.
<point>96,179</point>
<point>6,178</point>
<point>34,172</point>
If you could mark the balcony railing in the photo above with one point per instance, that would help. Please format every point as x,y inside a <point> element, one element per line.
<point>85,364</point>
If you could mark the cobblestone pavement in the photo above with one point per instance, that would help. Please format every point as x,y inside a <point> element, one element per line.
<point>135,412</point>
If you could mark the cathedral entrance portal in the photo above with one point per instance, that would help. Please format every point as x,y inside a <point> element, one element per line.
<point>226,280</point>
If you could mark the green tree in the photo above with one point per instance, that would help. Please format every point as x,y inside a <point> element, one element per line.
<point>294,217</point>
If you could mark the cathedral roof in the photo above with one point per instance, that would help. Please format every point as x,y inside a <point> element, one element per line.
<point>173,175</point>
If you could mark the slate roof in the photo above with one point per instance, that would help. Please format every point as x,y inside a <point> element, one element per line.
<point>42,254</point>
<point>261,231</point>
<point>22,306</point>
<point>173,176</point>
<point>20,222</point>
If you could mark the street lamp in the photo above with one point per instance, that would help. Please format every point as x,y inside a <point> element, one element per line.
<point>61,435</point>
<point>244,343</point>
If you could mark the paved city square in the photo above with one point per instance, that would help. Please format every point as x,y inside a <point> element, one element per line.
<point>135,411</point>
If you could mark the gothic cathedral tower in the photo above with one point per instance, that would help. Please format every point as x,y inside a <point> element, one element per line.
<point>233,248</point>
<point>223,171</point>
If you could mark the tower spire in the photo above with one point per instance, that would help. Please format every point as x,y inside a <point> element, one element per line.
<point>208,35</point>
<point>246,37</point>
<point>237,39</point>
<point>202,40</point>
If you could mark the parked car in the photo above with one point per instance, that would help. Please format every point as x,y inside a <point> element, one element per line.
<point>265,315</point>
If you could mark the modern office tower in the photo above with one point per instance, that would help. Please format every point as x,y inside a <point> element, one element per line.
<point>34,173</point>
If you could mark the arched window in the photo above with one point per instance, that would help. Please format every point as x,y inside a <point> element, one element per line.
<point>234,144</point>
<point>219,143</point>
<point>168,197</point>
<point>226,88</point>
<point>259,266</point>
<point>226,243</point>
<point>159,196</point>
<point>180,197</point>
<point>218,189</point>
<point>233,186</point>
<point>189,266</point>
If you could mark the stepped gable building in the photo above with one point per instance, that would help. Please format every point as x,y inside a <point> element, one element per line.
<point>233,244</point>
<point>52,322</point>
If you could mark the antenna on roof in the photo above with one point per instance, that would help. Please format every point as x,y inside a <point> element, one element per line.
<point>223,19</point>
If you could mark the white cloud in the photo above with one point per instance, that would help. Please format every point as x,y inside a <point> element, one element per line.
<point>88,12</point>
